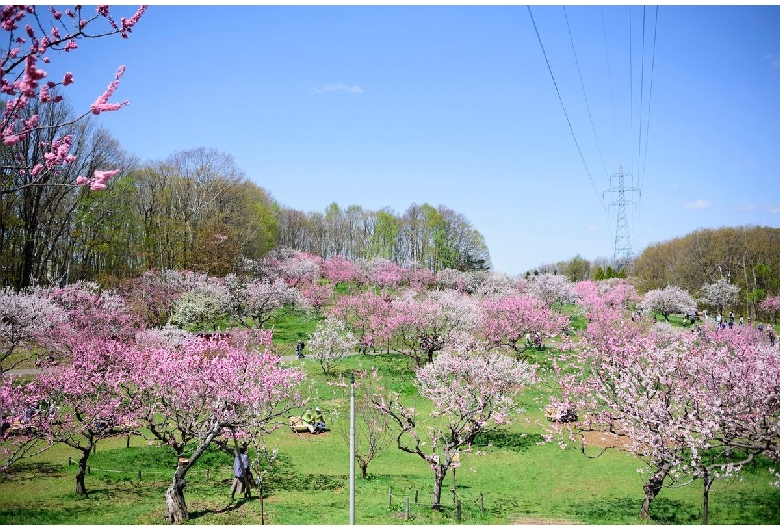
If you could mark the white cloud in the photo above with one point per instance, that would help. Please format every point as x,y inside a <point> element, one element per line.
<point>774,208</point>
<point>336,87</point>
<point>773,59</point>
<point>698,204</point>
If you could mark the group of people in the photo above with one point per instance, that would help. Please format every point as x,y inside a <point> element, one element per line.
<point>314,420</point>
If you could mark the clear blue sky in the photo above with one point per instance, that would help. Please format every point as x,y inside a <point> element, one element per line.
<point>454,105</point>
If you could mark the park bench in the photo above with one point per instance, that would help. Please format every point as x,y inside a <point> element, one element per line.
<point>297,425</point>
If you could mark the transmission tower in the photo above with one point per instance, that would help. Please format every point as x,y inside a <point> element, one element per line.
<point>623,255</point>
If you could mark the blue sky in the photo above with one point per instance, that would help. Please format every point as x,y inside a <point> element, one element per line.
<point>386,106</point>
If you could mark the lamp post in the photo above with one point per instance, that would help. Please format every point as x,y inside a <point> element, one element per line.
<point>352,449</point>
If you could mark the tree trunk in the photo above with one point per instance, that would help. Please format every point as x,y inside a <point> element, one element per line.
<point>438,480</point>
<point>363,468</point>
<point>652,487</point>
<point>175,507</point>
<point>81,488</point>
<point>705,505</point>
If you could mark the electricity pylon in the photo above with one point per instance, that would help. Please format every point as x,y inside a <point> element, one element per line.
<point>623,255</point>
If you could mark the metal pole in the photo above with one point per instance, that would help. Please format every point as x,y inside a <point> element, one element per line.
<point>352,449</point>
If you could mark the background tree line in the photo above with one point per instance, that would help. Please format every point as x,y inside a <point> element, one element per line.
<point>436,238</point>
<point>194,210</point>
<point>747,257</point>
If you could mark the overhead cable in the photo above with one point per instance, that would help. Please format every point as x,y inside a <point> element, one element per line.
<point>584,95</point>
<point>566,114</point>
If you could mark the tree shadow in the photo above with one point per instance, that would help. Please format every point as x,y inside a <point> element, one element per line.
<point>25,470</point>
<point>508,440</point>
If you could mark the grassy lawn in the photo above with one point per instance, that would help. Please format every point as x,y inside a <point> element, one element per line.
<point>515,477</point>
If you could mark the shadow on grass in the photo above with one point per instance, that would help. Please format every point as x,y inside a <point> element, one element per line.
<point>508,440</point>
<point>229,507</point>
<point>45,515</point>
<point>609,511</point>
<point>26,470</point>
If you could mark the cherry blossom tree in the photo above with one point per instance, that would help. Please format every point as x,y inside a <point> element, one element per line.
<point>367,314</point>
<point>551,288</point>
<point>692,405</point>
<point>330,342</point>
<point>382,273</point>
<point>470,394</point>
<point>613,292</point>
<point>292,266</point>
<point>206,302</point>
<point>23,316</point>
<point>339,269</point>
<point>79,401</point>
<point>423,321</point>
<point>91,312</point>
<point>770,305</point>
<point>719,294</point>
<point>519,321</point>
<point>670,299</point>
<point>260,299</point>
<point>23,83</point>
<point>206,389</point>
<point>154,293</point>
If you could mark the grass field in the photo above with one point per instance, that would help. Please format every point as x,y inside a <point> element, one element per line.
<point>517,479</point>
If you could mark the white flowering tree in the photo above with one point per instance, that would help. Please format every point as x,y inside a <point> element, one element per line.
<point>23,315</point>
<point>470,394</point>
<point>719,294</point>
<point>669,300</point>
<point>330,342</point>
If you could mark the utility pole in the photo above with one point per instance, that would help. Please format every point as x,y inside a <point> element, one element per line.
<point>352,448</point>
<point>623,255</point>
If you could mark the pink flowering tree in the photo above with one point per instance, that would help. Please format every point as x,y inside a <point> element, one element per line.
<point>258,300</point>
<point>670,299</point>
<point>519,322</point>
<point>204,393</point>
<point>315,295</point>
<point>690,405</point>
<point>613,292</point>
<point>292,266</point>
<point>330,342</point>
<point>23,316</point>
<point>382,273</point>
<point>154,294</point>
<point>770,305</point>
<point>79,401</point>
<point>35,34</point>
<point>424,321</point>
<point>367,314</point>
<point>339,269</point>
<point>470,394</point>
<point>551,289</point>
<point>91,312</point>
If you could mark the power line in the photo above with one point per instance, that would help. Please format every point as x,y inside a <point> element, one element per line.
<point>609,73</point>
<point>584,95</point>
<point>650,95</point>
<point>566,114</point>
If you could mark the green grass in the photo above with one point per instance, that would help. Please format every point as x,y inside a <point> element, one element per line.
<point>518,478</point>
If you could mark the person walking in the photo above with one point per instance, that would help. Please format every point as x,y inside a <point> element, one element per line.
<point>241,475</point>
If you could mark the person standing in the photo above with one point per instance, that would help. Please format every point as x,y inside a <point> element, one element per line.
<point>240,475</point>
